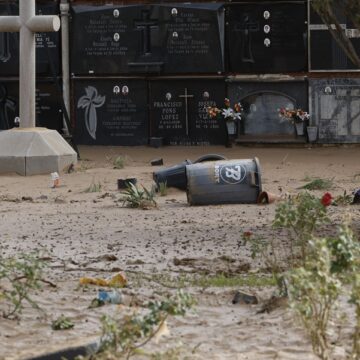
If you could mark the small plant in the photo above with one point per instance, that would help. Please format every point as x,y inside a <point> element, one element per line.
<point>318,184</point>
<point>22,274</point>
<point>301,215</point>
<point>62,323</point>
<point>313,292</point>
<point>119,162</point>
<point>94,187</point>
<point>137,198</point>
<point>122,338</point>
<point>331,268</point>
<point>163,188</point>
<point>344,199</point>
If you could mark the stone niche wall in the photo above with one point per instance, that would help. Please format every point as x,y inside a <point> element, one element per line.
<point>335,109</point>
<point>157,65</point>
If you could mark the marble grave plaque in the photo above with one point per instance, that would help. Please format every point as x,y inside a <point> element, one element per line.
<point>48,105</point>
<point>47,44</point>
<point>160,39</point>
<point>335,109</point>
<point>178,111</point>
<point>267,37</point>
<point>111,111</point>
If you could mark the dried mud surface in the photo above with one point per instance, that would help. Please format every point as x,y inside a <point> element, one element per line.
<point>78,231</point>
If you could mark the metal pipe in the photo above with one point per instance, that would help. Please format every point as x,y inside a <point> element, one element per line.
<point>64,13</point>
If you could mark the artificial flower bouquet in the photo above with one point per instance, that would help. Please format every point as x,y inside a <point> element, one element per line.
<point>228,113</point>
<point>294,115</point>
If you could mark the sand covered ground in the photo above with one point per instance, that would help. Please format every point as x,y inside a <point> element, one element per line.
<point>78,231</point>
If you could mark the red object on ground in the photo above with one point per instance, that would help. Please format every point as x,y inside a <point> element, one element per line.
<point>326,199</point>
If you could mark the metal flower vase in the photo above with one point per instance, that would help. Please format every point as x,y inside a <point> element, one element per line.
<point>312,133</point>
<point>299,128</point>
<point>231,127</point>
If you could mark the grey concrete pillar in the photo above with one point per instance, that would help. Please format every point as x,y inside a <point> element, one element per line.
<point>27,66</point>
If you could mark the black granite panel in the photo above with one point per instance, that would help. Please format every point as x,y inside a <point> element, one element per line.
<point>335,109</point>
<point>194,37</point>
<point>178,111</point>
<point>105,38</point>
<point>261,102</point>
<point>111,111</point>
<point>48,105</point>
<point>325,53</point>
<point>47,44</point>
<point>179,38</point>
<point>267,37</point>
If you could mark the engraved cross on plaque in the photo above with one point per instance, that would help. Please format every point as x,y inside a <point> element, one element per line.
<point>27,23</point>
<point>246,27</point>
<point>145,25</point>
<point>186,96</point>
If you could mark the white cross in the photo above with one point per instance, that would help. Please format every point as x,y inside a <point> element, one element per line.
<point>27,23</point>
<point>186,96</point>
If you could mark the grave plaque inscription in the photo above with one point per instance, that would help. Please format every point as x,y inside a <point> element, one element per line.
<point>47,44</point>
<point>267,37</point>
<point>48,105</point>
<point>104,38</point>
<point>111,112</point>
<point>194,40</point>
<point>159,39</point>
<point>335,108</point>
<point>178,111</point>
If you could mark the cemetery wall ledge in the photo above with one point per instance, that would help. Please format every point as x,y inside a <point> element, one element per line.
<point>266,77</point>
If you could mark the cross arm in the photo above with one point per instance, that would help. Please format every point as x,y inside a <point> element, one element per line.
<point>43,23</point>
<point>10,23</point>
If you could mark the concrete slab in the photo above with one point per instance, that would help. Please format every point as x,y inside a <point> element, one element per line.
<point>33,151</point>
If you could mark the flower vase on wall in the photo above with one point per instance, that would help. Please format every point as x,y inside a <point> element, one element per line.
<point>231,130</point>
<point>231,127</point>
<point>312,133</point>
<point>299,128</point>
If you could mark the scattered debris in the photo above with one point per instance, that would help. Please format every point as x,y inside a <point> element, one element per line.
<point>273,303</point>
<point>125,183</point>
<point>356,199</point>
<point>157,162</point>
<point>55,178</point>
<point>70,169</point>
<point>118,280</point>
<point>243,298</point>
<point>266,197</point>
<point>110,297</point>
<point>27,198</point>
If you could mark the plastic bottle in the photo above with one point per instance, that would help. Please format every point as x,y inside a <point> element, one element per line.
<point>110,297</point>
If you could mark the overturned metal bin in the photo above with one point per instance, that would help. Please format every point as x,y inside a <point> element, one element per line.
<point>224,182</point>
<point>173,176</point>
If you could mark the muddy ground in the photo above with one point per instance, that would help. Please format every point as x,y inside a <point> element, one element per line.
<point>92,234</point>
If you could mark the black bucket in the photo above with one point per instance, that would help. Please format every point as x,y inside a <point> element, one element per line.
<point>224,182</point>
<point>174,176</point>
<point>125,183</point>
